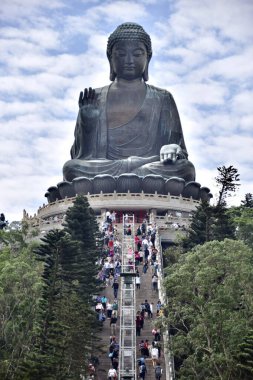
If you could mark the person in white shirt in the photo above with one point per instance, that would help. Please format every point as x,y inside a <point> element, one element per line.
<point>112,374</point>
<point>138,282</point>
<point>154,355</point>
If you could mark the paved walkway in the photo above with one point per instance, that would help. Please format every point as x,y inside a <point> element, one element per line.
<point>145,292</point>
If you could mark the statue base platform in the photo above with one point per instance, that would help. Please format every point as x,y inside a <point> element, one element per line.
<point>170,213</point>
<point>166,203</point>
<point>128,182</point>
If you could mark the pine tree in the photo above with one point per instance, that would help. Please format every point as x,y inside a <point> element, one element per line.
<point>66,320</point>
<point>248,201</point>
<point>214,222</point>
<point>201,225</point>
<point>61,337</point>
<point>82,226</point>
<point>208,223</point>
<point>47,360</point>
<point>227,180</point>
<point>245,357</point>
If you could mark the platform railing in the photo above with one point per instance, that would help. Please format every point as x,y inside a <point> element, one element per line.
<point>127,349</point>
<point>168,356</point>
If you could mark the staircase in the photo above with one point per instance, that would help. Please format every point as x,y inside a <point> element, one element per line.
<point>144,293</point>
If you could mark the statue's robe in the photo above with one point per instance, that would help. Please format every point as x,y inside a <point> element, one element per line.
<point>133,147</point>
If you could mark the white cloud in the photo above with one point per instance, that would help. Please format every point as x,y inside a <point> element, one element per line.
<point>15,10</point>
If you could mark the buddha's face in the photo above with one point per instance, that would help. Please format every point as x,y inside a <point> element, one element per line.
<point>129,59</point>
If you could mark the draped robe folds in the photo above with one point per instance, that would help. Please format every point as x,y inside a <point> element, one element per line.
<point>133,147</point>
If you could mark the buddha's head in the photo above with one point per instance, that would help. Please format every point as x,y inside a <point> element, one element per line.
<point>129,38</point>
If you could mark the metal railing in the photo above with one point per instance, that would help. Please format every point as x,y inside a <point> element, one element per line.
<point>169,358</point>
<point>127,340</point>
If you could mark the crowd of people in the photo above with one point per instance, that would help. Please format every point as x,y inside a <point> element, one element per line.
<point>149,350</point>
<point>144,253</point>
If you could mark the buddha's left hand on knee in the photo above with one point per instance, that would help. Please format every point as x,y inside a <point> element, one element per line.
<point>170,153</point>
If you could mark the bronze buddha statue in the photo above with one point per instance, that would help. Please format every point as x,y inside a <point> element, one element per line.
<point>128,126</point>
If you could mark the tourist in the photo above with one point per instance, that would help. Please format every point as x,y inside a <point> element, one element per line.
<point>141,348</point>
<point>115,306</point>
<point>156,333</point>
<point>158,307</point>
<point>91,371</point>
<point>115,287</point>
<point>137,258</point>
<point>113,322</point>
<point>138,325</point>
<point>99,307</point>
<point>101,316</point>
<point>145,267</point>
<point>3,222</point>
<point>154,354</point>
<point>115,363</point>
<point>158,371</point>
<point>155,282</point>
<point>138,282</point>
<point>113,217</point>
<point>109,309</point>
<point>146,348</point>
<point>151,305</point>
<point>142,371</point>
<point>147,308</point>
<point>112,374</point>
<point>104,301</point>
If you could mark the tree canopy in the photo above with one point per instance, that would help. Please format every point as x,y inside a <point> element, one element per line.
<point>46,300</point>
<point>209,309</point>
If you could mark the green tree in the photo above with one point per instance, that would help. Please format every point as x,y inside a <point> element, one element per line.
<point>214,222</point>
<point>20,290</point>
<point>200,230</point>
<point>82,226</point>
<point>248,201</point>
<point>208,223</point>
<point>242,219</point>
<point>14,239</point>
<point>62,341</point>
<point>210,304</point>
<point>64,333</point>
<point>245,358</point>
<point>227,181</point>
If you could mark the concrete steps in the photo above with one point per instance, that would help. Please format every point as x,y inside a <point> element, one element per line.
<point>146,292</point>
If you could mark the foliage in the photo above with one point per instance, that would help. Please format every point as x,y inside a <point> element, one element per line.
<point>47,321</point>
<point>248,201</point>
<point>82,226</point>
<point>172,255</point>
<point>227,180</point>
<point>242,219</point>
<point>64,332</point>
<point>245,357</point>
<point>210,308</point>
<point>64,319</point>
<point>14,239</point>
<point>20,289</point>
<point>208,223</point>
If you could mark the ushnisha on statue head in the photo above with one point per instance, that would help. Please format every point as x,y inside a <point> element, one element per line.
<point>129,31</point>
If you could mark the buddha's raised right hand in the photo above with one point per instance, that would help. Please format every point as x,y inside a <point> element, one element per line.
<point>88,107</point>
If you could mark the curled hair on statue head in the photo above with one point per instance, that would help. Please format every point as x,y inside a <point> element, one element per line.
<point>129,31</point>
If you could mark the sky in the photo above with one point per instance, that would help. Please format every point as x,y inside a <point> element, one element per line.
<point>50,50</point>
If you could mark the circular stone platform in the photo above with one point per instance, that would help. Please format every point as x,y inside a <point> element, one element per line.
<point>168,212</point>
<point>125,183</point>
